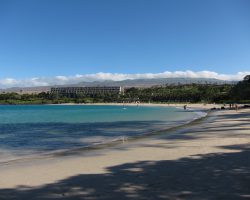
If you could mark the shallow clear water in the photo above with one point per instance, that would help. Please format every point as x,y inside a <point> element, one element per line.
<point>26,130</point>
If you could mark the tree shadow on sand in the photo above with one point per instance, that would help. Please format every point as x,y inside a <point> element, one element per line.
<point>210,176</point>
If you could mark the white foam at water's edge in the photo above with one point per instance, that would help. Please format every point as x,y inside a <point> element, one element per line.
<point>199,113</point>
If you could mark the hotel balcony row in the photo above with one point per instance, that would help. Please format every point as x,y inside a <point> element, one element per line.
<point>87,90</point>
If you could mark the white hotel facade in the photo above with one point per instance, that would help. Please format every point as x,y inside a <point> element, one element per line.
<point>71,91</point>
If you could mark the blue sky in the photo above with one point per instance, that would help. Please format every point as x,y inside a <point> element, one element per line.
<point>47,38</point>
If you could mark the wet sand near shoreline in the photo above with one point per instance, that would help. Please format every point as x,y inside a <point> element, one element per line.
<point>207,160</point>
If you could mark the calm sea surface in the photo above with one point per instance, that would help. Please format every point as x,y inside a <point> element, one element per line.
<point>29,130</point>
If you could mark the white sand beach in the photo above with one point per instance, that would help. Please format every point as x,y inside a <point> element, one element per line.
<point>209,159</point>
<point>198,106</point>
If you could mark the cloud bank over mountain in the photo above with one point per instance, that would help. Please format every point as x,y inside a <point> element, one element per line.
<point>101,76</point>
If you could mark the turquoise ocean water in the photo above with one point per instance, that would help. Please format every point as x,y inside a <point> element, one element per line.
<point>35,129</point>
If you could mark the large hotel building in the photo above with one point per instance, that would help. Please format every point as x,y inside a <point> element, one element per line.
<point>72,91</point>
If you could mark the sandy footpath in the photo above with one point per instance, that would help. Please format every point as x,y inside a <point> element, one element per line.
<point>206,160</point>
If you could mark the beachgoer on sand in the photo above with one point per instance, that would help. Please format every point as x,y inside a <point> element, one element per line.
<point>236,107</point>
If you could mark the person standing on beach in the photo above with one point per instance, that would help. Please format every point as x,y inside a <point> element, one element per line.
<point>185,107</point>
<point>236,107</point>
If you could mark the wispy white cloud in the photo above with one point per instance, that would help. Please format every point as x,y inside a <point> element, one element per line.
<point>101,76</point>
